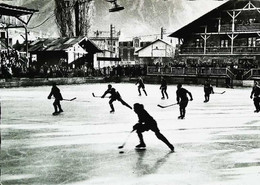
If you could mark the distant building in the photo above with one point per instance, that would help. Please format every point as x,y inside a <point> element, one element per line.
<point>128,46</point>
<point>76,52</point>
<point>157,52</point>
<point>109,44</point>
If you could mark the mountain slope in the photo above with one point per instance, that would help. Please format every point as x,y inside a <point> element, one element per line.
<point>140,17</point>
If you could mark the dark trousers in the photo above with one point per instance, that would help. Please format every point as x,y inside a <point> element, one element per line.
<point>256,103</point>
<point>119,99</point>
<point>56,105</point>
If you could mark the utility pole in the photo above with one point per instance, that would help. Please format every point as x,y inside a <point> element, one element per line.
<point>112,29</point>
<point>162,32</point>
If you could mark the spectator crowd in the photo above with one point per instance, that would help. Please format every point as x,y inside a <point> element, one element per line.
<point>13,64</point>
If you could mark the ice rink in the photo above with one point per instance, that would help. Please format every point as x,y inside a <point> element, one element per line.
<point>218,143</point>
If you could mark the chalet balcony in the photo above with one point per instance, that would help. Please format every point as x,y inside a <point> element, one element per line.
<point>221,50</point>
<point>253,27</point>
<point>252,73</point>
<point>187,71</point>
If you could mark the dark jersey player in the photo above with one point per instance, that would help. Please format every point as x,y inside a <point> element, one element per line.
<point>114,96</point>
<point>163,88</point>
<point>55,91</point>
<point>256,93</point>
<point>182,100</point>
<point>208,89</point>
<point>140,83</point>
<point>146,123</point>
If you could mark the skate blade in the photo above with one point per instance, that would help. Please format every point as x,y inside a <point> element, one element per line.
<point>140,148</point>
<point>55,114</point>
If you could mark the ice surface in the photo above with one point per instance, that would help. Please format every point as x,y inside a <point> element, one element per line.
<point>217,143</point>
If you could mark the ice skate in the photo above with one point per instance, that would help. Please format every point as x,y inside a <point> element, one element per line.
<point>141,146</point>
<point>171,147</point>
<point>55,113</point>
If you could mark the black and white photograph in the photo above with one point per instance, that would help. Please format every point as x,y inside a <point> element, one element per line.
<point>129,92</point>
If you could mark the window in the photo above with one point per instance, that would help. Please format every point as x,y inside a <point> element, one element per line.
<point>136,42</point>
<point>251,41</point>
<point>199,43</point>
<point>224,43</point>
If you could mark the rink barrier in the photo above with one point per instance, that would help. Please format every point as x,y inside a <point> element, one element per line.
<point>24,82</point>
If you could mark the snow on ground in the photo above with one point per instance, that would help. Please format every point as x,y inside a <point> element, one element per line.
<point>217,143</point>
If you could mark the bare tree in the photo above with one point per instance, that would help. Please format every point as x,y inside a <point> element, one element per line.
<point>81,10</point>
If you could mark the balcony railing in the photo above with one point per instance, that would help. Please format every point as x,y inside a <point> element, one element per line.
<point>187,71</point>
<point>251,73</point>
<point>221,50</point>
<point>253,27</point>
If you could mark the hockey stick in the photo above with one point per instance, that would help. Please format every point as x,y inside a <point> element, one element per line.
<point>219,92</point>
<point>161,106</point>
<point>95,96</point>
<point>98,96</point>
<point>122,146</point>
<point>69,99</point>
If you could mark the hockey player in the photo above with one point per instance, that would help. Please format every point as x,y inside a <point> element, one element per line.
<point>256,93</point>
<point>146,123</point>
<point>208,89</point>
<point>140,83</point>
<point>182,100</point>
<point>55,91</point>
<point>163,88</point>
<point>114,96</point>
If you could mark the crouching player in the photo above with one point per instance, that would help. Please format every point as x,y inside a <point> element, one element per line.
<point>146,123</point>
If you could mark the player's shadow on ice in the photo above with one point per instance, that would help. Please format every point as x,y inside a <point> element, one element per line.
<point>146,166</point>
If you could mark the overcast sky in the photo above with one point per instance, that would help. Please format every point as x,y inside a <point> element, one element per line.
<point>140,17</point>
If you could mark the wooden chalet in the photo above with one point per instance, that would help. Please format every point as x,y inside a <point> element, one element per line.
<point>158,51</point>
<point>76,51</point>
<point>223,43</point>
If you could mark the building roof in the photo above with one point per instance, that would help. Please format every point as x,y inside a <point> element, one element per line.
<point>186,30</point>
<point>145,38</point>
<point>90,46</point>
<point>10,10</point>
<point>54,44</point>
<point>62,44</point>
<point>158,40</point>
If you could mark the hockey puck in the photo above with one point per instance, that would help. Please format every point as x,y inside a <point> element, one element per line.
<point>121,152</point>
